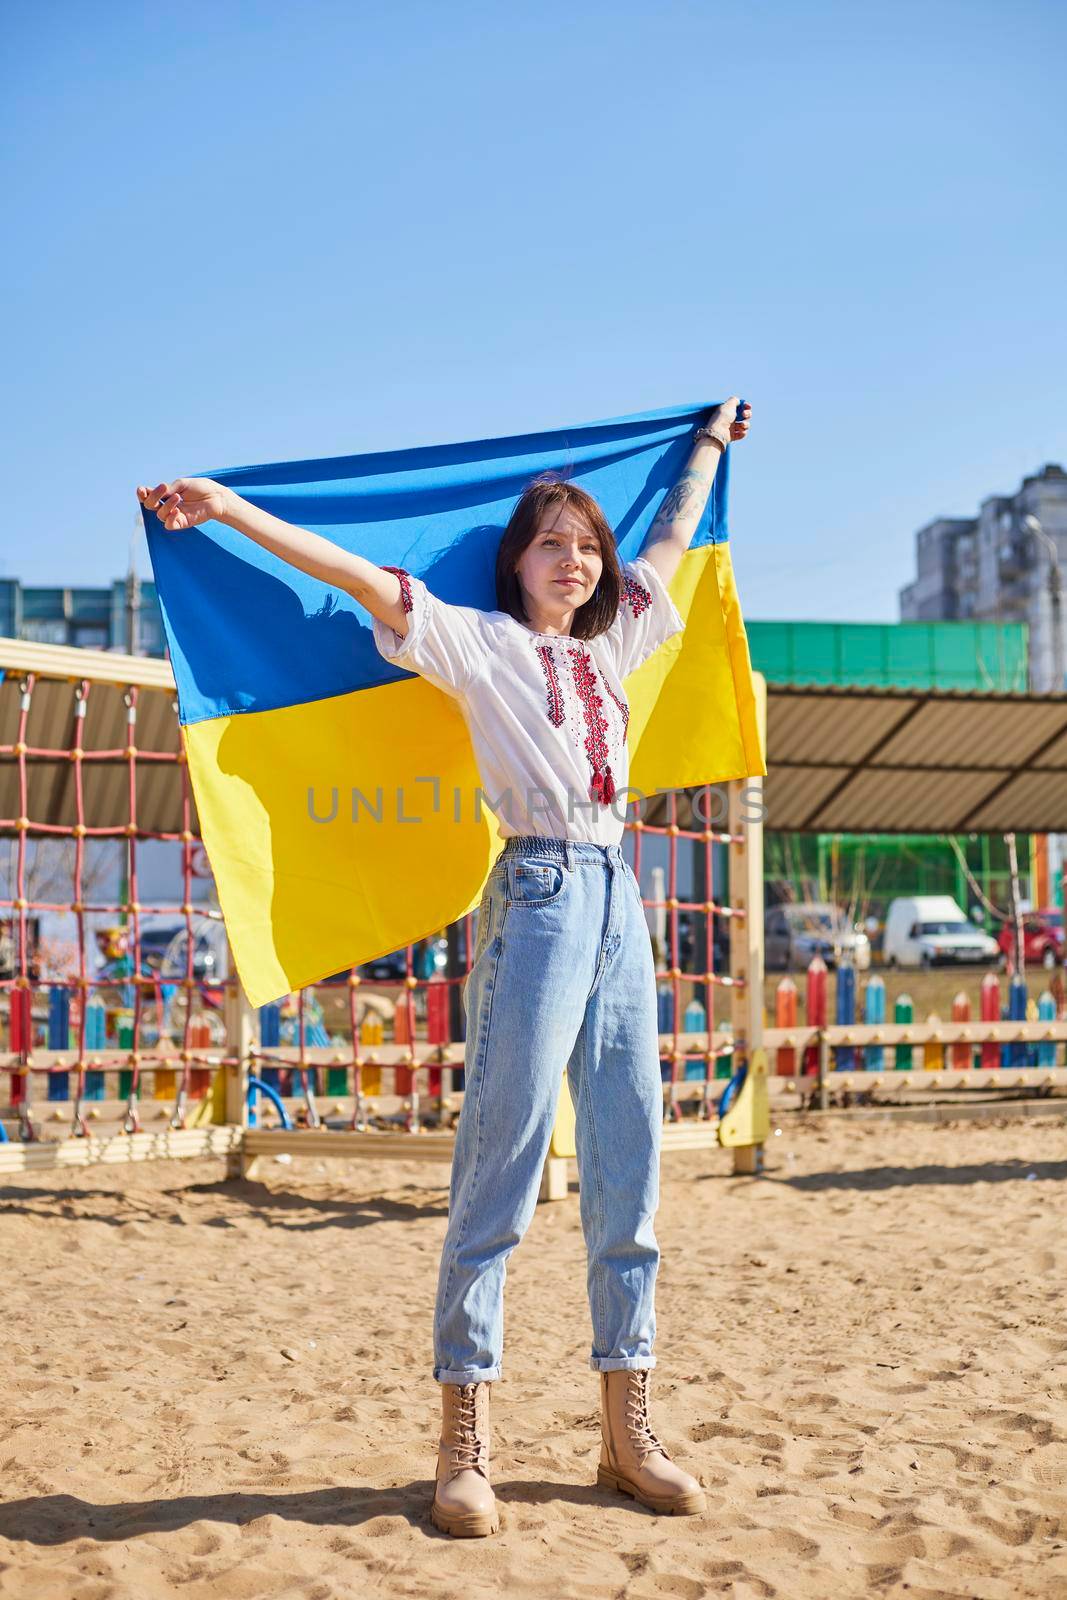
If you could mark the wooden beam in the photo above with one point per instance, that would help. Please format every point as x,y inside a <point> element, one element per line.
<point>97,666</point>
<point>120,1149</point>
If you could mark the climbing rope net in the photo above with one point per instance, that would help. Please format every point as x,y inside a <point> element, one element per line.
<point>146,1016</point>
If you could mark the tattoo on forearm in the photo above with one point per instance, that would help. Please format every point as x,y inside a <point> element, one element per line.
<point>685,500</point>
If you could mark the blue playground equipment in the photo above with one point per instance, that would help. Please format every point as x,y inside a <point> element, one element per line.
<point>256,1087</point>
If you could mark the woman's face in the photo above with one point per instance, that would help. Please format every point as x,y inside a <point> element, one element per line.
<point>560,567</point>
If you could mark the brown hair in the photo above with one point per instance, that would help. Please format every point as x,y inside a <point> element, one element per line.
<point>542,494</point>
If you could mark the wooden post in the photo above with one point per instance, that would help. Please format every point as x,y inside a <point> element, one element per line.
<point>746,931</point>
<point>748,1160</point>
<point>554,1180</point>
<point>824,1068</point>
<point>240,1035</point>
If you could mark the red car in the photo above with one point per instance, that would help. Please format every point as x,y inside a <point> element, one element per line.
<point>1042,939</point>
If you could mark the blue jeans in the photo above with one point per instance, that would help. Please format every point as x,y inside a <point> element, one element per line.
<point>563,978</point>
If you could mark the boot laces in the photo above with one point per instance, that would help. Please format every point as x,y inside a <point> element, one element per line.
<point>467,1451</point>
<point>638,1426</point>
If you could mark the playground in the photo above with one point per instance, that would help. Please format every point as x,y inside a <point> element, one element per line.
<point>219,1388</point>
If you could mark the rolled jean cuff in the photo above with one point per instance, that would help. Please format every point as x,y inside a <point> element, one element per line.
<point>622,1363</point>
<point>467,1375</point>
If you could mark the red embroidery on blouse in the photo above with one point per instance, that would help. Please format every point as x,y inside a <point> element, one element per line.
<point>602,787</point>
<point>405,585</point>
<point>556,712</point>
<point>623,708</point>
<point>636,594</point>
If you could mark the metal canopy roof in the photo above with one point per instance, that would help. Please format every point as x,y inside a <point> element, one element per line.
<point>57,672</point>
<point>870,760</point>
<point>840,759</point>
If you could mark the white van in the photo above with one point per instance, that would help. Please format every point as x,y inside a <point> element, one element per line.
<point>928,930</point>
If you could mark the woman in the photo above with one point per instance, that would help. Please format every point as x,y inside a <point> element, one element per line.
<point>563,973</point>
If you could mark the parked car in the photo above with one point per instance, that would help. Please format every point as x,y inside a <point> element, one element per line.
<point>690,925</point>
<point>930,930</point>
<point>795,934</point>
<point>163,947</point>
<point>9,939</point>
<point>428,957</point>
<point>1043,939</point>
<point>155,942</point>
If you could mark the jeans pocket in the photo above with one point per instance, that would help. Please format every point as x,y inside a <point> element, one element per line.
<point>535,883</point>
<point>487,911</point>
<point>485,920</point>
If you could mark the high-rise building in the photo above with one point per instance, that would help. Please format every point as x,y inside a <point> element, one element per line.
<point>1007,564</point>
<point>96,619</point>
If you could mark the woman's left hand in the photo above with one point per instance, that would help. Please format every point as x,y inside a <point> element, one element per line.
<point>729,422</point>
<point>739,429</point>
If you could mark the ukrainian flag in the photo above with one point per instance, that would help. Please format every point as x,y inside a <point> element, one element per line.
<point>326,778</point>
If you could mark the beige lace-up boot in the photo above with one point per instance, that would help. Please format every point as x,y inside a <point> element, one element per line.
<point>463,1502</point>
<point>632,1459</point>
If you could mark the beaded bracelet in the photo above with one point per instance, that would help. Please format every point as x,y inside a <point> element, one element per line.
<point>707,433</point>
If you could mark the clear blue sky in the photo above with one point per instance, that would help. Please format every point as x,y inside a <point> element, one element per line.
<point>254,232</point>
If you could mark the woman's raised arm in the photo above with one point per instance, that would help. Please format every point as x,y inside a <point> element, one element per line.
<point>187,502</point>
<point>676,520</point>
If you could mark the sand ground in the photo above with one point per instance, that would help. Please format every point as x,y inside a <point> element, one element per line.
<point>223,1389</point>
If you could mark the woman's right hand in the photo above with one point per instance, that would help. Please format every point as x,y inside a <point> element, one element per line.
<point>187,502</point>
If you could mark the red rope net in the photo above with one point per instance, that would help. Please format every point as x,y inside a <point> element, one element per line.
<point>82,1050</point>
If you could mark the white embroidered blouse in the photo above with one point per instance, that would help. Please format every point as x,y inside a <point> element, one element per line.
<point>547,714</point>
